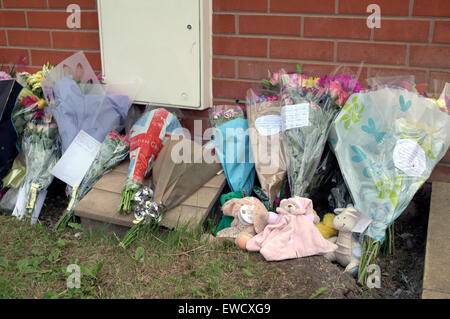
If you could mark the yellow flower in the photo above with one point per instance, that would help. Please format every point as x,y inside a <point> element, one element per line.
<point>41,104</point>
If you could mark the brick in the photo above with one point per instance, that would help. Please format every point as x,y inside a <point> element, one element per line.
<point>420,75</point>
<point>41,57</point>
<point>430,56</point>
<point>256,47</point>
<point>372,53</point>
<point>76,40</point>
<point>58,19</point>
<point>2,37</point>
<point>224,23</point>
<point>230,89</point>
<point>223,68</point>
<point>12,18</point>
<point>436,81</point>
<point>302,49</point>
<point>240,5</point>
<point>8,55</point>
<point>95,60</point>
<point>403,30</point>
<point>388,7</point>
<point>25,4</point>
<point>223,102</point>
<point>258,70</point>
<point>350,28</point>
<point>204,114</point>
<point>302,6</point>
<point>31,38</point>
<point>84,4</point>
<point>195,126</point>
<point>441,32</point>
<point>432,8</point>
<point>266,24</point>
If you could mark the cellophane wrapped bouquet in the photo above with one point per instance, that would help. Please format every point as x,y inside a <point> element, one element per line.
<point>309,105</point>
<point>232,146</point>
<point>147,137</point>
<point>388,141</point>
<point>113,150</point>
<point>42,149</point>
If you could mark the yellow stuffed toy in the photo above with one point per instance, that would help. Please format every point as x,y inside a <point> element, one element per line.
<point>326,226</point>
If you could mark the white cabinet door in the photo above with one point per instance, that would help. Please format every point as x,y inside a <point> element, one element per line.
<point>157,41</point>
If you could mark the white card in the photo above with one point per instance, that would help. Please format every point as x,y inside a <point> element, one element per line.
<point>409,157</point>
<point>77,159</point>
<point>293,116</point>
<point>362,224</point>
<point>268,125</point>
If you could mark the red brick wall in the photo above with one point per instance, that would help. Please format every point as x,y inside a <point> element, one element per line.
<point>251,37</point>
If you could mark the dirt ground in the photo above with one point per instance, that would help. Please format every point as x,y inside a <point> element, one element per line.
<point>314,276</point>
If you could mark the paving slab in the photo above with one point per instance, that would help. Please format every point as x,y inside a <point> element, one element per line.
<point>100,205</point>
<point>436,279</point>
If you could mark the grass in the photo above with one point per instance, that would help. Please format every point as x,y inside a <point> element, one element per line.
<point>162,264</point>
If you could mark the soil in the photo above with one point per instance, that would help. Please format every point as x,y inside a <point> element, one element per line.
<point>402,273</point>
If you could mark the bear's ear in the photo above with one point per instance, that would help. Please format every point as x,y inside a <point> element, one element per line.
<point>227,208</point>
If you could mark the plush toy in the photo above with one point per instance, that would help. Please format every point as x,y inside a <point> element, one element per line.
<point>326,227</point>
<point>349,249</point>
<point>293,235</point>
<point>250,218</point>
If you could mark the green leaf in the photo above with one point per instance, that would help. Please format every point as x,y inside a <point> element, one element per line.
<point>3,262</point>
<point>61,243</point>
<point>54,255</point>
<point>77,227</point>
<point>97,268</point>
<point>24,266</point>
<point>318,292</point>
<point>298,68</point>
<point>139,253</point>
<point>247,272</point>
<point>345,117</point>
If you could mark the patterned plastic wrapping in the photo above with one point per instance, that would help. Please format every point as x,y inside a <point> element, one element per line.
<point>387,143</point>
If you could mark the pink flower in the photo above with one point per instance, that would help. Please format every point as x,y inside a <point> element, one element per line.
<point>4,76</point>
<point>335,89</point>
<point>342,99</point>
<point>275,77</point>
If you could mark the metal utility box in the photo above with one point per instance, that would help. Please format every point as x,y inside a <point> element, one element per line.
<point>167,44</point>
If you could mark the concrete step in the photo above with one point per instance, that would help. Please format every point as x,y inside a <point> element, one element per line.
<point>436,279</point>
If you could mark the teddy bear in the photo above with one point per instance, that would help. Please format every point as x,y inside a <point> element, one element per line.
<point>349,249</point>
<point>250,218</point>
<point>326,227</point>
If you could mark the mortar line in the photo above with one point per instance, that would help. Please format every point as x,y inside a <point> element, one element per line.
<point>411,8</point>
<point>430,35</point>
<point>336,7</point>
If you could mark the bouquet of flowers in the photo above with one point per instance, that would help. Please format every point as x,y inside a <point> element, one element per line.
<point>309,107</point>
<point>42,150</point>
<point>232,146</point>
<point>33,82</point>
<point>387,144</point>
<point>113,151</point>
<point>147,137</point>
